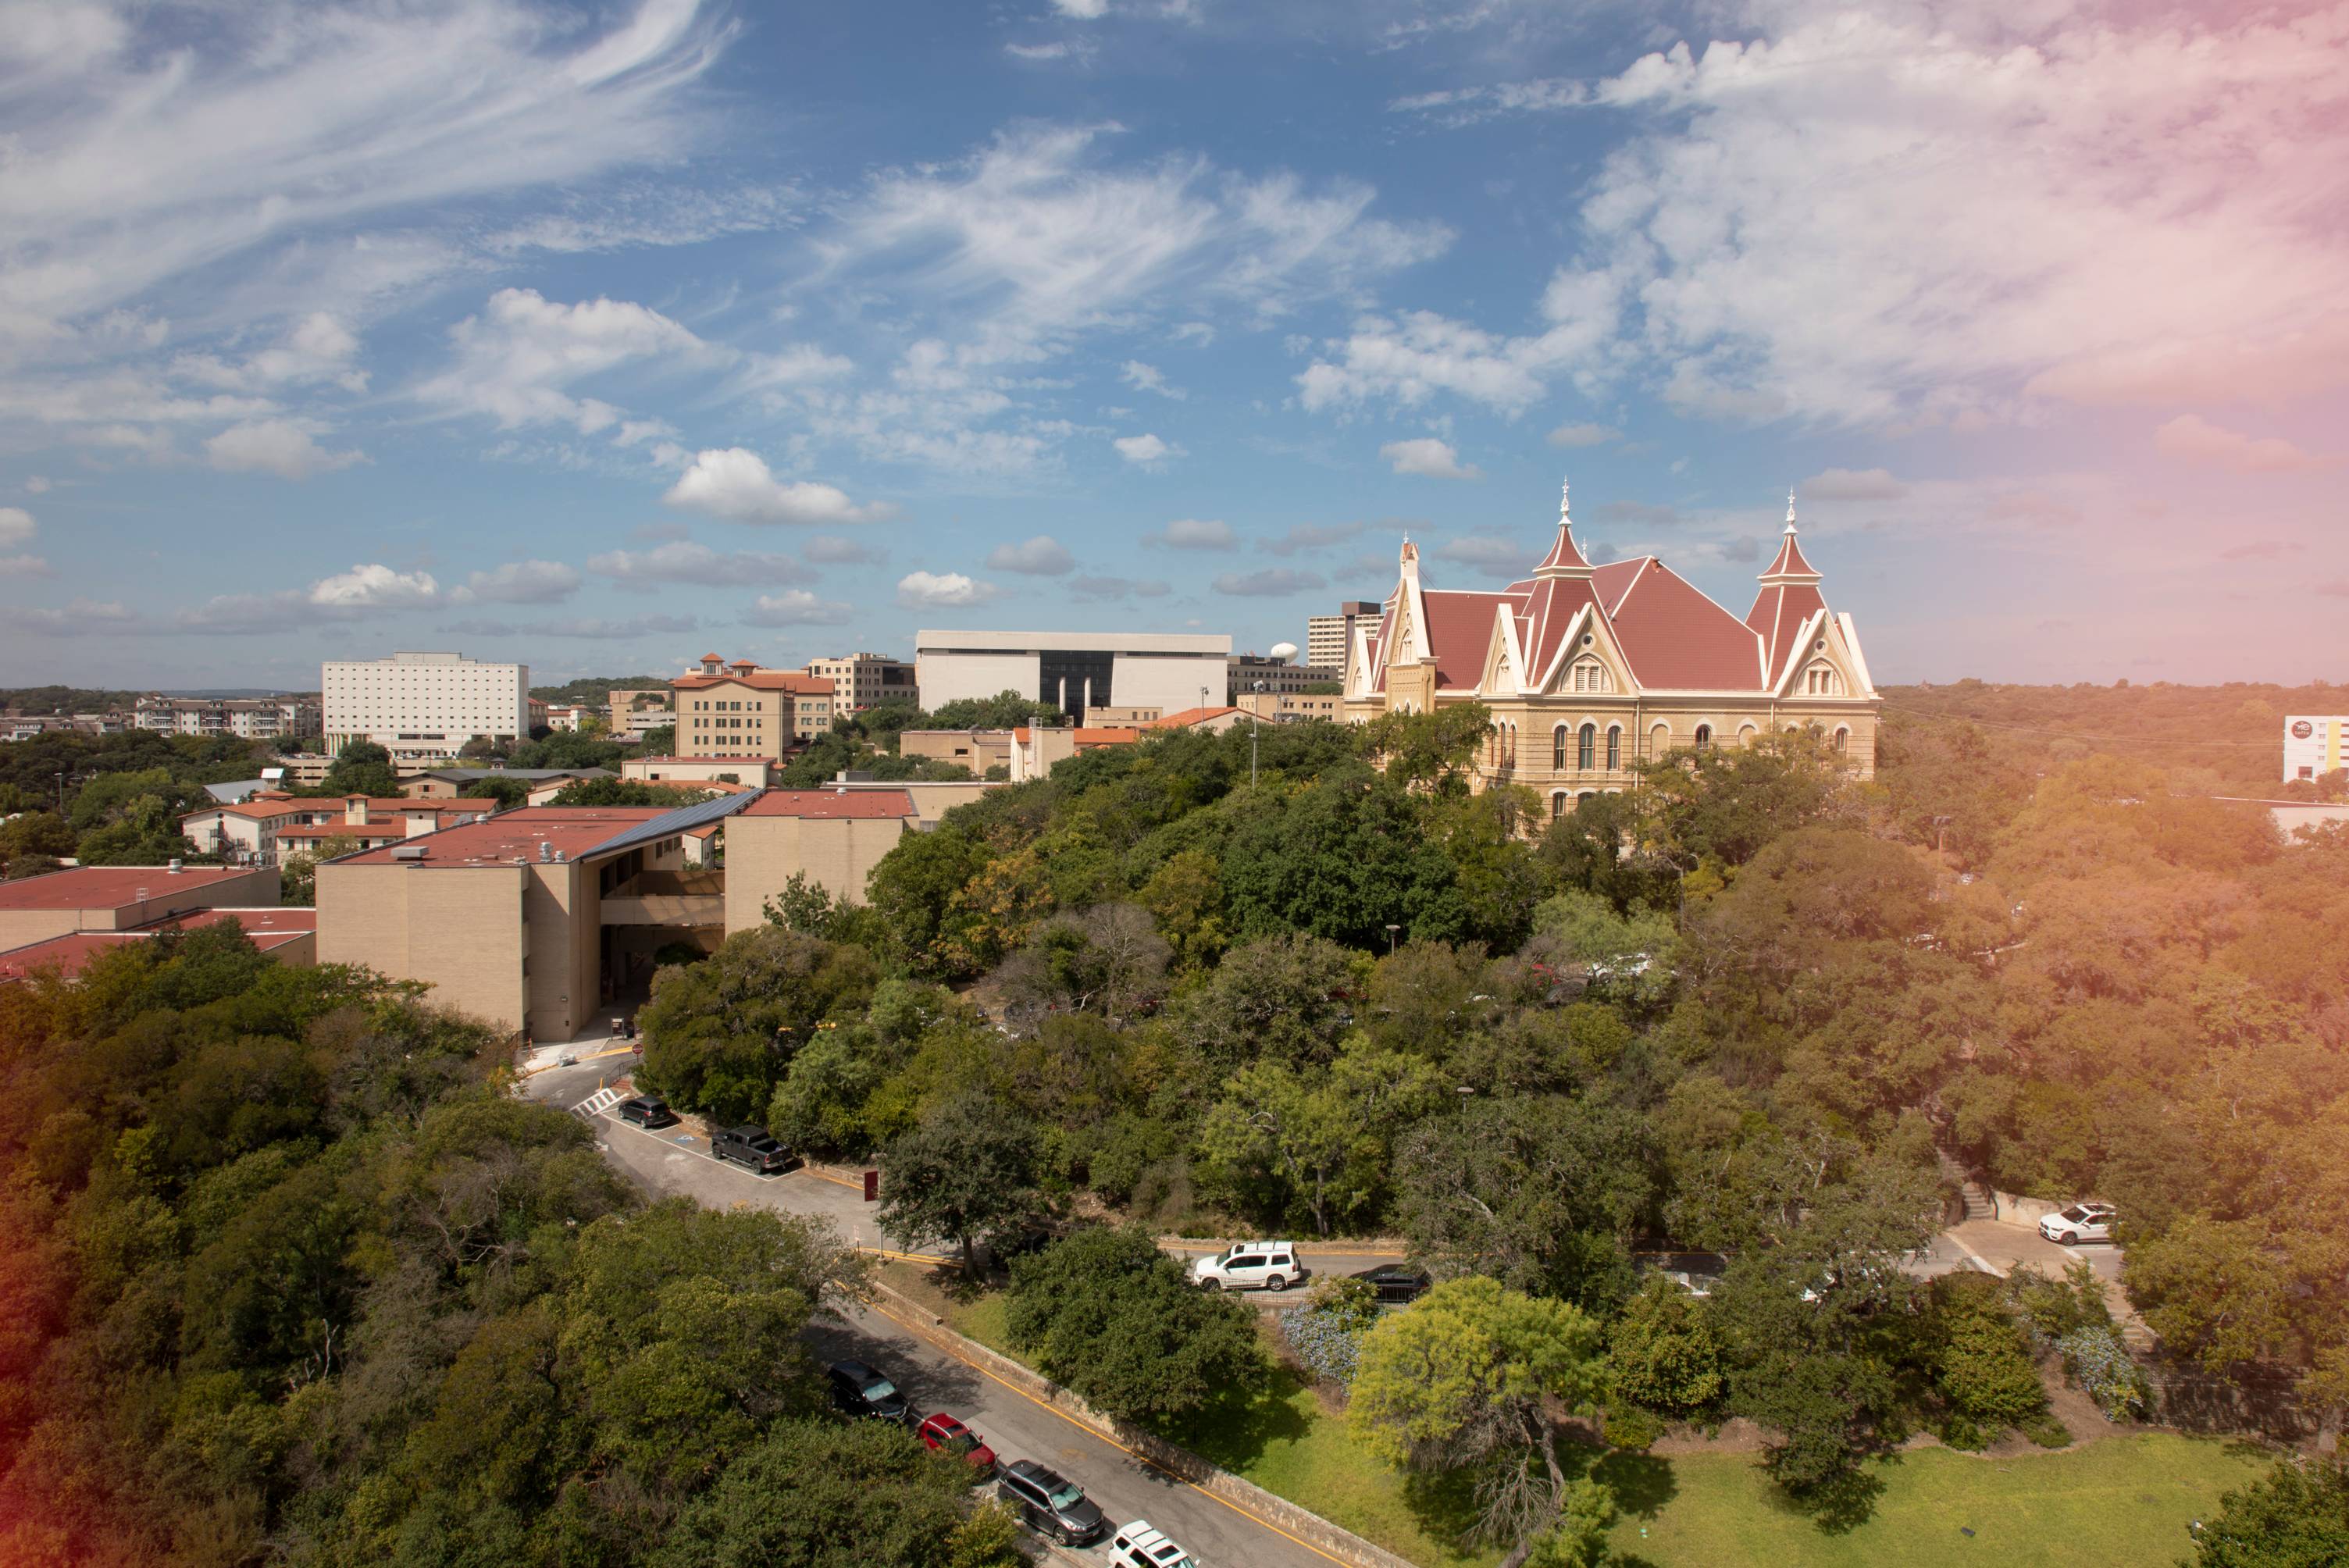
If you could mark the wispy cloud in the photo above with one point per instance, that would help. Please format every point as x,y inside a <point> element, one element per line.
<point>1429,458</point>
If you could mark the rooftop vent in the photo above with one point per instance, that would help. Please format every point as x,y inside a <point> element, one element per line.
<point>545,852</point>
<point>175,866</point>
<point>408,851</point>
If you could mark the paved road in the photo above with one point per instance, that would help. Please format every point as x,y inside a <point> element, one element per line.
<point>676,1160</point>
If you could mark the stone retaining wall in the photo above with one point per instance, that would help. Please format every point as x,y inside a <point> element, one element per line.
<point>1175,1460</point>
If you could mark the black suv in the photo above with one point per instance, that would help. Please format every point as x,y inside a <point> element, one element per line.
<point>751,1146</point>
<point>861,1391</point>
<point>1051,1503</point>
<point>648,1111</point>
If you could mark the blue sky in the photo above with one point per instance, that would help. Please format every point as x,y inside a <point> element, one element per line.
<point>599,336</point>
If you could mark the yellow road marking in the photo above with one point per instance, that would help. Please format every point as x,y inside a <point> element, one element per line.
<point>1087,1426</point>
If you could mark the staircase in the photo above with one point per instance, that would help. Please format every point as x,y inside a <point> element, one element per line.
<point>1979,1201</point>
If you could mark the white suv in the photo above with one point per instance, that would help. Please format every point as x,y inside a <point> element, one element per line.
<point>2080,1223</point>
<point>1250,1265</point>
<point>1140,1546</point>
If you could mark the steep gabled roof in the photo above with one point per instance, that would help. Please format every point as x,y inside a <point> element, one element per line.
<point>1459,622</point>
<point>1677,640</point>
<point>1777,617</point>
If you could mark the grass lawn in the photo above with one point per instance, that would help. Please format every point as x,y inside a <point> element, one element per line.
<point>2124,1499</point>
<point>2120,1501</point>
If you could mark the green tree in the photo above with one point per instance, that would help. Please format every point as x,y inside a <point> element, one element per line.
<point>1432,750</point>
<point>967,1174</point>
<point>1476,1377</point>
<point>1982,1361</point>
<point>361,768</point>
<point>1004,711</point>
<point>509,793</point>
<point>719,1033</point>
<point>2296,1516</point>
<point>297,874</point>
<point>1662,1354</point>
<point>1283,1143</point>
<point>627,792</point>
<point>1111,1316</point>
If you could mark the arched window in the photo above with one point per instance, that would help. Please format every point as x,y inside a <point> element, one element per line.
<point>1586,794</point>
<point>1748,734</point>
<point>1821,680</point>
<point>1558,749</point>
<point>1585,744</point>
<point>1614,747</point>
<point>1589,675</point>
<point>1659,740</point>
<point>1705,737</point>
<point>1557,803</point>
<point>1842,741</point>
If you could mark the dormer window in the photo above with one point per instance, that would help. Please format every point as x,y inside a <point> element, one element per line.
<point>1589,675</point>
<point>1822,680</point>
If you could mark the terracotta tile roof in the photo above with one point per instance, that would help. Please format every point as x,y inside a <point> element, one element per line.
<point>1678,640</point>
<point>831,805</point>
<point>1549,609</point>
<point>758,680</point>
<point>258,809</point>
<point>1459,625</point>
<point>640,760</point>
<point>1778,613</point>
<point>1188,716</point>
<point>1789,559</point>
<point>108,887</point>
<point>513,835</point>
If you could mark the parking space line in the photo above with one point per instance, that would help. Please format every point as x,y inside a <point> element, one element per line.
<point>1047,1404</point>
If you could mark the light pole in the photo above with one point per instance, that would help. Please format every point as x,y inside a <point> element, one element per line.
<point>1253,720</point>
<point>1391,939</point>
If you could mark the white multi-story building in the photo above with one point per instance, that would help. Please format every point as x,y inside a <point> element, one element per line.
<point>423,705</point>
<point>1074,671</point>
<point>1326,637</point>
<point>247,719</point>
<point>2314,745</point>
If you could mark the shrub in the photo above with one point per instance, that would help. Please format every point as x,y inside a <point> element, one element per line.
<point>1981,1362</point>
<point>2052,1308</point>
<point>1328,1343</point>
<point>1632,1428</point>
<point>2103,1368</point>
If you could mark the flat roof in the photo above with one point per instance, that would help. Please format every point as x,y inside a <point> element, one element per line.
<point>834,804</point>
<point>269,928</point>
<point>511,836</point>
<point>109,887</point>
<point>952,641</point>
<point>767,761</point>
<point>472,775</point>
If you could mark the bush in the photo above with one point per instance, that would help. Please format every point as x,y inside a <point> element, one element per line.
<point>1327,1343</point>
<point>1981,1362</point>
<point>1111,1316</point>
<point>2101,1366</point>
<point>2052,1308</point>
<point>1632,1428</point>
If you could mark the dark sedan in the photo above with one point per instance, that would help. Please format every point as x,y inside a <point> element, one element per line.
<point>1397,1284</point>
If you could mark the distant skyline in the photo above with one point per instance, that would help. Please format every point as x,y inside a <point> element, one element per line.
<point>596,336</point>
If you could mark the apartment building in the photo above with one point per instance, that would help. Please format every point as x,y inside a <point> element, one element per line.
<point>860,681</point>
<point>1326,637</point>
<point>1247,672</point>
<point>1291,708</point>
<point>742,710</point>
<point>423,706</point>
<point>634,711</point>
<point>253,719</point>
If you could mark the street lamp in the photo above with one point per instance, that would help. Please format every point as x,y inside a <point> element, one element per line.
<point>1254,718</point>
<point>1391,939</point>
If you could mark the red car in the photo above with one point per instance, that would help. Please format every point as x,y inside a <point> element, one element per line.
<point>948,1435</point>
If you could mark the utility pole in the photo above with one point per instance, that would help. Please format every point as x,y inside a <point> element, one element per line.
<point>1254,719</point>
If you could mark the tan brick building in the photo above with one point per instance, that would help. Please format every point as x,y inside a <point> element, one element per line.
<point>835,837</point>
<point>118,898</point>
<point>1589,669</point>
<point>742,710</point>
<point>977,749</point>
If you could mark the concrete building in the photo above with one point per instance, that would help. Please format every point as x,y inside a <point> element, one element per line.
<point>1247,672</point>
<point>448,783</point>
<point>423,706</point>
<point>247,719</point>
<point>754,772</point>
<point>2314,744</point>
<point>1326,637</point>
<point>1036,751</point>
<point>835,837</point>
<point>533,919</point>
<point>1587,669</point>
<point>120,897</point>
<point>742,710</point>
<point>289,935</point>
<point>1077,672</point>
<point>977,749</point>
<point>635,711</point>
<point>860,681</point>
<point>1282,707</point>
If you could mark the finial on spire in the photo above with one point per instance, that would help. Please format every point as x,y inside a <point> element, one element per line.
<point>1565,488</point>
<point>1790,510</point>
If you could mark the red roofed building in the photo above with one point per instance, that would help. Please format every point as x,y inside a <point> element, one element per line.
<point>118,898</point>
<point>1588,669</point>
<point>741,710</point>
<point>288,934</point>
<point>832,837</point>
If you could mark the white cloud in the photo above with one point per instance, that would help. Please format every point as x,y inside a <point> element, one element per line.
<point>1311,536</point>
<point>1273,583</point>
<point>1584,435</point>
<point>599,628</point>
<point>734,483</point>
<point>1852,484</point>
<point>518,582</point>
<point>1042,556</point>
<point>832,549</point>
<point>1428,458</point>
<point>1145,451</point>
<point>682,561</point>
<point>77,616</point>
<point>1193,533</point>
<point>515,360</point>
<point>798,607</point>
<point>1084,10</point>
<point>1056,51</point>
<point>1910,215</point>
<point>24,566</point>
<point>36,484</point>
<point>286,447</point>
<point>1487,552</point>
<point>2195,439</point>
<point>1408,359</point>
<point>1149,378</point>
<point>17,525</point>
<point>927,590</point>
<point>1095,590</point>
<point>373,587</point>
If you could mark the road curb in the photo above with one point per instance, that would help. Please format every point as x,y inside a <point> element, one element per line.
<point>1299,1524</point>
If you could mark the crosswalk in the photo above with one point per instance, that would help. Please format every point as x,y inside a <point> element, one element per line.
<point>596,1104</point>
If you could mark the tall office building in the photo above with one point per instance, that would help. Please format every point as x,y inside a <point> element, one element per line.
<point>1326,637</point>
<point>422,707</point>
<point>1076,672</point>
<point>860,681</point>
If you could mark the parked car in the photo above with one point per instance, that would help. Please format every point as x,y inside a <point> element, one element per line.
<point>1051,1503</point>
<point>1250,1265</point>
<point>946,1435</point>
<point>752,1146</point>
<point>859,1390</point>
<point>1396,1285</point>
<point>2080,1223</point>
<point>648,1111</point>
<point>1138,1546</point>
